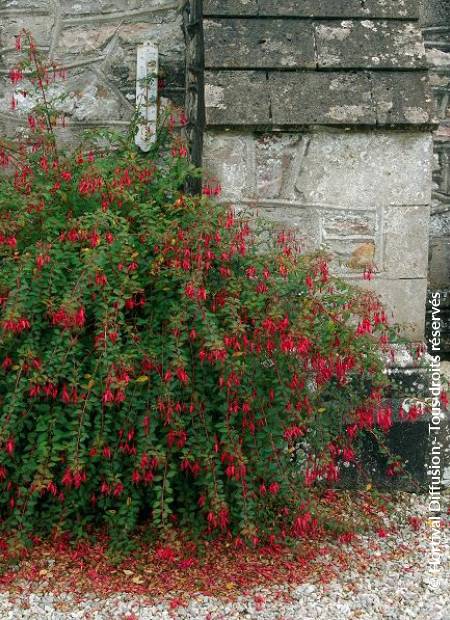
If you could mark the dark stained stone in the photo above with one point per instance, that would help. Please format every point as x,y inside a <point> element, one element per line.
<point>254,98</point>
<point>402,98</point>
<point>230,7</point>
<point>369,44</point>
<point>236,98</point>
<point>399,9</point>
<point>312,98</point>
<point>259,43</point>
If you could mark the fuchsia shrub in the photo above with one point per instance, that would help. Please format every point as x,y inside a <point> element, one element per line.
<point>158,362</point>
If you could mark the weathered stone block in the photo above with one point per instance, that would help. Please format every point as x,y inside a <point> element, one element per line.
<point>402,9</point>
<point>361,170</point>
<point>258,43</point>
<point>369,43</point>
<point>228,158</point>
<point>303,222</point>
<point>338,223</point>
<point>309,98</point>
<point>39,25</point>
<point>85,38</point>
<point>87,7</point>
<point>439,269</point>
<point>230,7</point>
<point>349,256</point>
<point>236,98</point>
<point>278,159</point>
<point>405,237</point>
<point>405,302</point>
<point>402,98</point>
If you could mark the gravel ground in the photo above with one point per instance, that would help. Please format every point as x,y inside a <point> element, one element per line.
<point>397,589</point>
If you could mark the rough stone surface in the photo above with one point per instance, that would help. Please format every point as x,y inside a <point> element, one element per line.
<point>259,43</point>
<point>238,98</point>
<point>406,241</point>
<point>405,300</point>
<point>436,19</point>
<point>273,43</point>
<point>315,8</point>
<point>363,196</point>
<point>369,44</point>
<point>95,40</point>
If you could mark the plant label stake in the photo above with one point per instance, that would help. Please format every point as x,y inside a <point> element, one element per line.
<point>147,94</point>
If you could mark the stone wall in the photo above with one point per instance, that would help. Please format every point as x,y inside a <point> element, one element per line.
<point>96,41</point>
<point>318,115</point>
<point>436,21</point>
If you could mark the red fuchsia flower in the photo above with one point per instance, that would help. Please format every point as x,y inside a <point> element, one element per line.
<point>3,473</point>
<point>190,291</point>
<point>415,523</point>
<point>67,479</point>
<point>393,469</point>
<point>52,488</point>
<point>16,326</point>
<point>305,526</point>
<point>212,190</point>
<point>165,554</point>
<point>182,375</point>
<point>118,489</point>
<point>90,185</point>
<point>9,446</point>
<point>365,327</point>
<point>41,260</point>
<point>105,488</point>
<point>384,418</point>
<point>332,473</point>
<point>369,273</point>
<point>108,396</point>
<point>18,43</point>
<point>293,432</point>
<point>444,399</point>
<point>7,363</point>
<point>274,488</point>
<point>346,538</point>
<point>15,75</point>
<point>348,455</point>
<point>178,438</point>
<point>101,279</point>
<point>66,176</point>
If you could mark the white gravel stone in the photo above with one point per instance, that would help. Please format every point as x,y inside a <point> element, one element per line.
<point>397,589</point>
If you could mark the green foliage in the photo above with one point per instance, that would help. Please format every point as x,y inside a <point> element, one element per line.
<point>159,362</point>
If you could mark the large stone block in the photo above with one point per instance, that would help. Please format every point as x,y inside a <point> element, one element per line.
<point>361,170</point>
<point>405,238</point>
<point>400,9</point>
<point>402,98</point>
<point>258,43</point>
<point>304,222</point>
<point>295,99</point>
<point>338,223</point>
<point>405,301</point>
<point>230,7</point>
<point>278,160</point>
<point>236,98</point>
<point>370,44</point>
<point>439,268</point>
<point>39,25</point>
<point>228,159</point>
